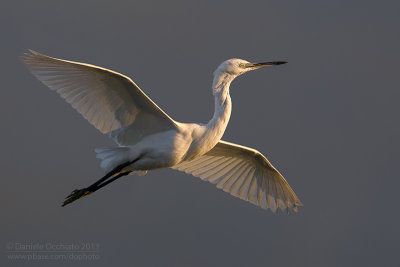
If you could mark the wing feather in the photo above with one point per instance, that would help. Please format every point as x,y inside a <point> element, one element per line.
<point>210,168</point>
<point>222,171</point>
<point>229,179</point>
<point>215,170</point>
<point>235,176</point>
<point>245,173</point>
<point>239,184</point>
<point>229,174</point>
<point>110,101</point>
<point>243,192</point>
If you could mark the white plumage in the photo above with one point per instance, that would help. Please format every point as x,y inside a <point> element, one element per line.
<point>245,173</point>
<point>149,139</point>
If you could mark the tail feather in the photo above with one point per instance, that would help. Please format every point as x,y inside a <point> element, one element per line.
<point>111,157</point>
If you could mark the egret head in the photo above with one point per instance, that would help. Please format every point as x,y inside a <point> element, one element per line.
<point>236,67</point>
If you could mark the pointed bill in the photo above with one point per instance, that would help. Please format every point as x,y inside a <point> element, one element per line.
<point>264,64</point>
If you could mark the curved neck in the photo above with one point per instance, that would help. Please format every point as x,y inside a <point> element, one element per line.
<point>223,105</point>
<point>207,136</point>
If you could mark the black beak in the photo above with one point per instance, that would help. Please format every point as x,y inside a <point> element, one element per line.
<point>265,64</point>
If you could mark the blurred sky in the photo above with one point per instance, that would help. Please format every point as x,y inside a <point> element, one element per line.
<point>328,120</point>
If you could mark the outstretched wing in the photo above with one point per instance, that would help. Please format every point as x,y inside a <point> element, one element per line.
<point>244,173</point>
<point>110,101</point>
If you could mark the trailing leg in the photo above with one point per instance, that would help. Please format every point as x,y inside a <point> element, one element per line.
<point>113,175</point>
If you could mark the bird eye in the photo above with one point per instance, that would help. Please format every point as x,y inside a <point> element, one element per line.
<point>242,65</point>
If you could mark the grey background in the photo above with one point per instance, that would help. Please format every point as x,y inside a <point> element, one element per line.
<point>328,120</point>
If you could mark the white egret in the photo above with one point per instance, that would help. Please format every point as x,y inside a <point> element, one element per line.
<point>149,139</point>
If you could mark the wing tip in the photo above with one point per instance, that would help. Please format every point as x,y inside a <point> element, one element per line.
<point>33,52</point>
<point>29,56</point>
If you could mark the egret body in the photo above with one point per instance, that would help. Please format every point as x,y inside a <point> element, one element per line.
<point>149,139</point>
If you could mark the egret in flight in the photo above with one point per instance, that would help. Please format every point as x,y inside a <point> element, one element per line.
<point>149,139</point>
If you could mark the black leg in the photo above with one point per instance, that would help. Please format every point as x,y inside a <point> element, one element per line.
<point>94,189</point>
<point>79,193</point>
<point>111,173</point>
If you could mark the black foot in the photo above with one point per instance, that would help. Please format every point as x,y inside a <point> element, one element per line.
<point>75,195</point>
